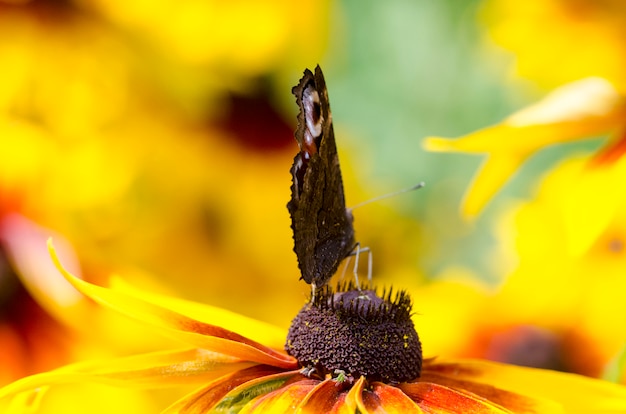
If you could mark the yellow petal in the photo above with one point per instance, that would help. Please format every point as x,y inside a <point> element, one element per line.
<point>494,173</point>
<point>149,370</point>
<point>575,393</point>
<point>189,330</point>
<point>258,331</point>
<point>25,402</point>
<point>575,111</point>
<point>79,399</point>
<point>587,100</point>
<point>354,399</point>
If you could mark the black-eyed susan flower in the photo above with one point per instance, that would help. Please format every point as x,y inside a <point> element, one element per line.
<point>351,351</point>
<point>568,239</point>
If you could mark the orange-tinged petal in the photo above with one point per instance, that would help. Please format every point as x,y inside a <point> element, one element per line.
<point>340,406</point>
<point>189,330</point>
<point>25,242</point>
<point>283,400</point>
<point>612,151</point>
<point>575,393</point>
<point>150,370</point>
<point>435,398</point>
<point>236,399</point>
<point>578,110</point>
<point>258,331</point>
<point>202,400</point>
<point>327,397</point>
<point>515,402</point>
<point>387,399</point>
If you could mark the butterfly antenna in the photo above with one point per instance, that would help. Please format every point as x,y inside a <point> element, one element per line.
<point>382,197</point>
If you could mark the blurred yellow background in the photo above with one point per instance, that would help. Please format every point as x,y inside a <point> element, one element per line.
<point>156,138</point>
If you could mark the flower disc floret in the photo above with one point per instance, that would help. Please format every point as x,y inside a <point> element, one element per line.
<point>352,333</point>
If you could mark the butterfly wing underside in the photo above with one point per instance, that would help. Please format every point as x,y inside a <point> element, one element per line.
<point>322,227</point>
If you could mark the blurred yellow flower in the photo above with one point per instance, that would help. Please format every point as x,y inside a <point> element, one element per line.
<point>579,110</point>
<point>242,375</point>
<point>562,293</point>
<point>567,242</point>
<point>242,37</point>
<point>110,135</point>
<point>569,246</point>
<point>560,41</point>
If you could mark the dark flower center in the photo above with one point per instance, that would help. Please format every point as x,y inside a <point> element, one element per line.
<point>349,333</point>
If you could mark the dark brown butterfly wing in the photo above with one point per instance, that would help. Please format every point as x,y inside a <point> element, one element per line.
<point>322,227</point>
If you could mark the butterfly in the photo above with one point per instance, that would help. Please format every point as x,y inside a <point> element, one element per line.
<point>322,227</point>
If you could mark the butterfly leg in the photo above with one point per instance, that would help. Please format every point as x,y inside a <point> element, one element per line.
<point>313,290</point>
<point>370,263</point>
<point>356,252</point>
